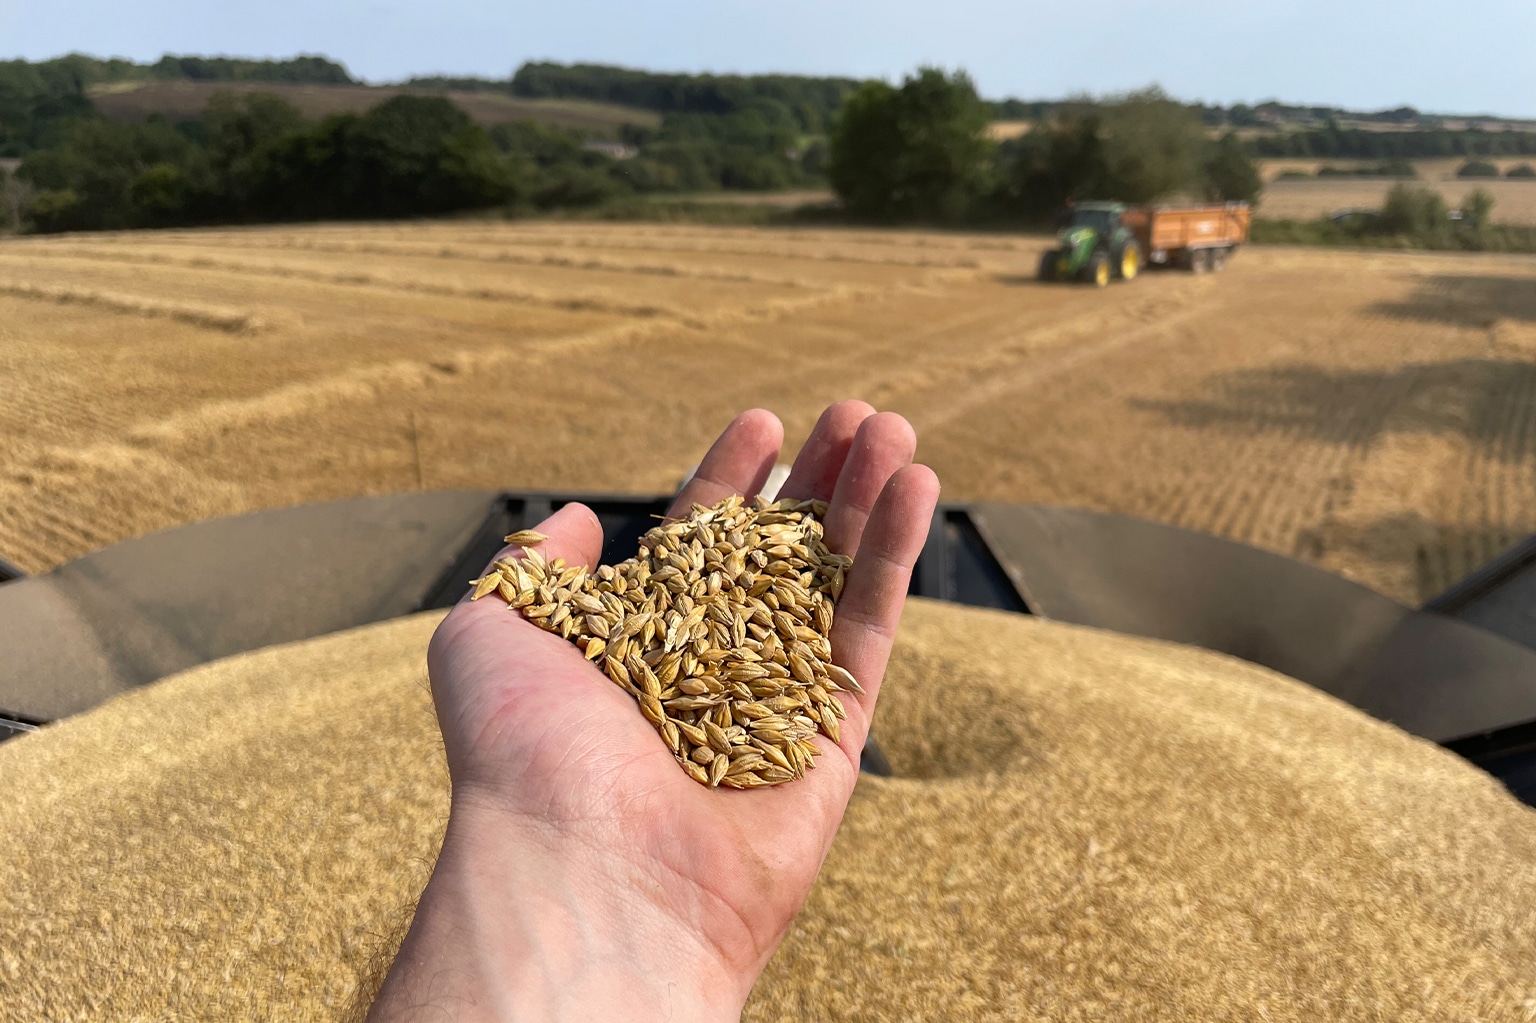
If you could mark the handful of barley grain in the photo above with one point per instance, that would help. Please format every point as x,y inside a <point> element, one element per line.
<point>718,628</point>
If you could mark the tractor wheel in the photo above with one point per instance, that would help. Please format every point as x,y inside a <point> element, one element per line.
<point>1097,271</point>
<point>1048,265</point>
<point>1128,262</point>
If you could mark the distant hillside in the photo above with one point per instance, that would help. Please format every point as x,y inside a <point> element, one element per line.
<point>181,100</point>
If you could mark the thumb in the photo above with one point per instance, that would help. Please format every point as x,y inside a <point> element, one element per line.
<point>574,533</point>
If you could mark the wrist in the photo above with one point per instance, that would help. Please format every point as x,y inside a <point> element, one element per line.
<point>514,926</point>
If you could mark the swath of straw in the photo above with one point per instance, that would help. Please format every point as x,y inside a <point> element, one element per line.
<point>718,628</point>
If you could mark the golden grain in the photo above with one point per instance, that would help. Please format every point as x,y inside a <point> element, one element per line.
<point>526,538</point>
<point>718,628</point>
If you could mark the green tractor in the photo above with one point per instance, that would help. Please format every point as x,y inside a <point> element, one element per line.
<point>1094,247</point>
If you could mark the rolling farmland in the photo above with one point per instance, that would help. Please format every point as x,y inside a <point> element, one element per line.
<point>1371,412</point>
<point>136,101</point>
<point>1514,202</point>
<point>1514,199</point>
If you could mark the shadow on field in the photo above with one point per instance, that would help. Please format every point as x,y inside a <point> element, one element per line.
<point>1491,402</point>
<point>1439,555</point>
<point>1466,301</point>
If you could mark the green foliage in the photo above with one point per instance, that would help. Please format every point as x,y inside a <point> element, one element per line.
<point>1323,231</point>
<point>755,147</point>
<point>1477,169</point>
<point>305,69</point>
<point>913,151</point>
<point>810,102</point>
<point>98,168</point>
<point>1523,170</point>
<point>1390,169</point>
<point>260,160</point>
<point>1230,175</point>
<point>1410,217</point>
<point>15,197</point>
<point>1143,147</point>
<point>459,84</point>
<point>1152,147</point>
<point>1476,209</point>
<point>409,156</point>
<point>39,102</point>
<point>1361,144</point>
<point>1414,213</point>
<point>554,169</point>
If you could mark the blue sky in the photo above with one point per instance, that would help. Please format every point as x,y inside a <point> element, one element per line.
<point>1473,56</point>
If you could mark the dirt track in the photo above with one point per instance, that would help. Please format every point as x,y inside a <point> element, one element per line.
<point>1375,413</point>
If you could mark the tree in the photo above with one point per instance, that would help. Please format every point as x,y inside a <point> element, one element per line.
<point>1414,212</point>
<point>1477,169</point>
<point>1476,209</point>
<point>14,197</point>
<point>88,183</point>
<point>1231,174</point>
<point>1152,148</point>
<point>408,156</point>
<point>241,131</point>
<point>1143,147</point>
<point>913,151</point>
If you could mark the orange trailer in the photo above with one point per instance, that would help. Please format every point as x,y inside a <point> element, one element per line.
<point>1198,238</point>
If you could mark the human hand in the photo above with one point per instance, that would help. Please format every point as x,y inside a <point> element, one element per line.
<point>583,875</point>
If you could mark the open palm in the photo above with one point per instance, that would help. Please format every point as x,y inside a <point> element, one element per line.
<point>537,737</point>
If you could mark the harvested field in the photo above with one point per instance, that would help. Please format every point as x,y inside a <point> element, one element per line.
<point>1305,199</point>
<point>1371,412</point>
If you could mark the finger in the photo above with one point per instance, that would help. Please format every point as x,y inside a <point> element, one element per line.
<point>574,533</point>
<point>816,468</point>
<point>738,463</point>
<point>884,444</point>
<point>870,608</point>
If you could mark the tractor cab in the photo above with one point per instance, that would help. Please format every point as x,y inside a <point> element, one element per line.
<point>1095,246</point>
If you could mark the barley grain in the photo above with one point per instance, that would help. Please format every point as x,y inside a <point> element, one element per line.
<point>718,627</point>
<point>526,538</point>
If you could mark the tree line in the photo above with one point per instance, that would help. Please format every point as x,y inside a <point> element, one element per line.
<point>918,151</point>
<point>1361,144</point>
<point>40,100</point>
<point>253,157</point>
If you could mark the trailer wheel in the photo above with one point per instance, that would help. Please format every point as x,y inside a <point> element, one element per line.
<point>1048,265</point>
<point>1200,261</point>
<point>1219,258</point>
<point>1097,271</point>
<point>1128,262</point>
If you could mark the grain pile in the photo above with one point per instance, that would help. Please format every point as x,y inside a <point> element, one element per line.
<point>718,628</point>
<point>1082,826</point>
